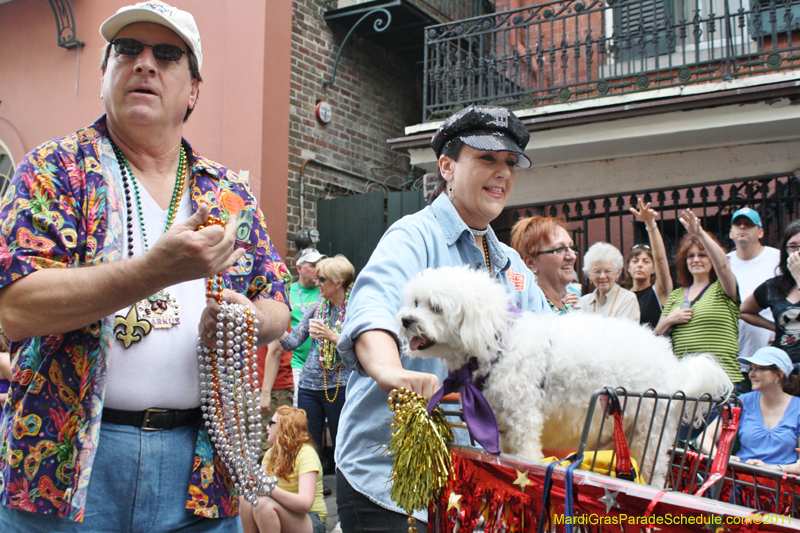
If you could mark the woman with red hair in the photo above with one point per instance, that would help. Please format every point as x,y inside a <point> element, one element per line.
<point>547,249</point>
<point>296,504</point>
<point>702,315</point>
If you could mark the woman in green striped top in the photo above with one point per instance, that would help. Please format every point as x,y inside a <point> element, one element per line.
<point>702,315</point>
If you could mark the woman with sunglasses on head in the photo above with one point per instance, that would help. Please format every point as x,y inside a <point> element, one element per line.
<point>603,264</point>
<point>324,377</point>
<point>547,249</point>
<point>781,296</point>
<point>478,149</point>
<point>702,315</point>
<point>648,268</point>
<point>769,429</point>
<point>296,504</point>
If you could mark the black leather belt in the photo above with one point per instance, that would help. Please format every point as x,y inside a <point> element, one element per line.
<point>153,419</point>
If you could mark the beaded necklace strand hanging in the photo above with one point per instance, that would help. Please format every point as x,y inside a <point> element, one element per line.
<point>303,303</point>
<point>329,359</point>
<point>561,311</point>
<point>228,399</point>
<point>160,310</point>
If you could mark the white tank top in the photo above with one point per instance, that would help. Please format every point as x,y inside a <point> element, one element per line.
<point>162,369</point>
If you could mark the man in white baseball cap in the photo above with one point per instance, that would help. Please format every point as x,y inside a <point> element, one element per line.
<point>105,299</point>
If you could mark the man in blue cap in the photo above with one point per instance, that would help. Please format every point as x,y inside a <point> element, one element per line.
<point>752,263</point>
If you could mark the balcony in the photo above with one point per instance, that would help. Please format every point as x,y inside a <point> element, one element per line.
<point>575,50</point>
<point>409,18</point>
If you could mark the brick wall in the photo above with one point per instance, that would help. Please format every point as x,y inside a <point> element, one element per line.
<point>377,93</point>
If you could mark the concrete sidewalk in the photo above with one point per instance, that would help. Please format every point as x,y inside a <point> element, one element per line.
<point>330,502</point>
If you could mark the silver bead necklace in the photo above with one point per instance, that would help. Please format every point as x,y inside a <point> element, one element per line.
<point>228,400</point>
<point>230,403</point>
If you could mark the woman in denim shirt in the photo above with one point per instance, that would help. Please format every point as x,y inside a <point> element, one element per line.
<point>479,149</point>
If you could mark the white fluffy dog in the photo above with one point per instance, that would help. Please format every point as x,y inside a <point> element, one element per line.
<point>542,368</point>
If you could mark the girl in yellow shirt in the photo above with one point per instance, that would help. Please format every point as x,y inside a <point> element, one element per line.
<point>296,504</point>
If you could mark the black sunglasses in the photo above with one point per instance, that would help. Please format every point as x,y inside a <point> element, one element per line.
<point>562,250</point>
<point>271,423</point>
<point>322,279</point>
<point>163,52</point>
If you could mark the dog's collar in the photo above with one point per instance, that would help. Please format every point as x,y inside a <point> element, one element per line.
<point>478,414</point>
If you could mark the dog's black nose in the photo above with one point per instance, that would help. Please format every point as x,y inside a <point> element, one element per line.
<point>407,322</point>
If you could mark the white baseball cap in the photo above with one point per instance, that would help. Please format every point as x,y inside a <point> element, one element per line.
<point>181,22</point>
<point>309,255</point>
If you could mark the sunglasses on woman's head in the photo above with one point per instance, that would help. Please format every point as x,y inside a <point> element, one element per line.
<point>642,246</point>
<point>132,47</point>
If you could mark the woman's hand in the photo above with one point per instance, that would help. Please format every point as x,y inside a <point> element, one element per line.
<point>680,316</point>
<point>691,222</point>
<point>793,263</point>
<point>762,464</point>
<point>571,299</point>
<point>420,382</point>
<point>318,330</point>
<point>645,214</point>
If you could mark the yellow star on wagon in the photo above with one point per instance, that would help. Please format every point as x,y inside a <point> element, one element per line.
<point>454,501</point>
<point>522,480</point>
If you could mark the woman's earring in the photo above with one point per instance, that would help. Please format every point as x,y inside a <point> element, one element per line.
<point>450,192</point>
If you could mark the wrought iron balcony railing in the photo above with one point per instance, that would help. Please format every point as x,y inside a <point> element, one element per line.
<point>579,49</point>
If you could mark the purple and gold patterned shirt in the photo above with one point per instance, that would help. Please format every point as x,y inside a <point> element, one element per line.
<point>64,209</point>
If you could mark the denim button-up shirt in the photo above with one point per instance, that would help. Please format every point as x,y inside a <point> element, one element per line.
<point>64,209</point>
<point>434,237</point>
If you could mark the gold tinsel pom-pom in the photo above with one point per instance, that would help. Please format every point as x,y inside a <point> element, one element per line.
<point>421,463</point>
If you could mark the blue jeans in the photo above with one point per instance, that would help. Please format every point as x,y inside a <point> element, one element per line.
<point>139,483</point>
<point>359,514</point>
<point>317,409</point>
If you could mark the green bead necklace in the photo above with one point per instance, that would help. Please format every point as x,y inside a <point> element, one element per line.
<point>162,309</point>
<point>177,192</point>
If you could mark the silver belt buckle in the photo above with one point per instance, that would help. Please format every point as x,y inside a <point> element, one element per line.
<point>144,427</point>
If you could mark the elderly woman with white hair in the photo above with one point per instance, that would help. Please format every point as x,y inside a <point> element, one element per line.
<point>603,264</point>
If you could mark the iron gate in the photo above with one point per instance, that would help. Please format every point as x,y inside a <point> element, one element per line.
<point>353,225</point>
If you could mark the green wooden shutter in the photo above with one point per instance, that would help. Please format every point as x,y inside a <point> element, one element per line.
<point>351,225</point>
<point>640,29</point>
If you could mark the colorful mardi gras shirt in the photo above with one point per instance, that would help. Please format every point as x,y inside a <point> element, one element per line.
<point>64,208</point>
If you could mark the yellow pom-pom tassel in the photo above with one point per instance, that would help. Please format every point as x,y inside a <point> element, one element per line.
<point>421,465</point>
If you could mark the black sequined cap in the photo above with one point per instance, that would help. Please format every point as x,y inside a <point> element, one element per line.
<point>495,129</point>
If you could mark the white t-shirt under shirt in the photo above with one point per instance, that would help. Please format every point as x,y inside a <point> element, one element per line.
<point>750,274</point>
<point>162,369</point>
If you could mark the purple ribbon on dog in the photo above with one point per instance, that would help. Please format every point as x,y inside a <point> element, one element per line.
<point>478,413</point>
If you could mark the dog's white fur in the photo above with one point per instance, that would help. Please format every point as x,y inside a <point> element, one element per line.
<point>540,385</point>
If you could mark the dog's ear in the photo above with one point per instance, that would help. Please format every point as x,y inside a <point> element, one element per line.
<point>485,316</point>
<point>435,303</point>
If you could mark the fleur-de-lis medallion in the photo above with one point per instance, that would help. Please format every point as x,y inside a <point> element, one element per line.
<point>131,323</point>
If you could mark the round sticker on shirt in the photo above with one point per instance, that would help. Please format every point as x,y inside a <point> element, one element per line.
<point>232,203</point>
